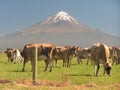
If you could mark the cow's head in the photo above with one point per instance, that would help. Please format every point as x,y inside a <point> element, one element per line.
<point>72,50</point>
<point>108,68</point>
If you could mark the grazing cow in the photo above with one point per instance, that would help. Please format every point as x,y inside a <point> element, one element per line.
<point>45,51</point>
<point>9,53</point>
<point>66,53</point>
<point>100,54</point>
<point>83,53</point>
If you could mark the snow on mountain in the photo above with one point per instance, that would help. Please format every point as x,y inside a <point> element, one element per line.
<point>64,16</point>
<point>61,16</point>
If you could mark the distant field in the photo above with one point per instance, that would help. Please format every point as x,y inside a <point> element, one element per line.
<point>79,77</point>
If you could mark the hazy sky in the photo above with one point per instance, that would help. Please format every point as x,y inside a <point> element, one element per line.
<point>101,14</point>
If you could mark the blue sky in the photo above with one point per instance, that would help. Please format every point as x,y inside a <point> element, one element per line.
<point>99,14</point>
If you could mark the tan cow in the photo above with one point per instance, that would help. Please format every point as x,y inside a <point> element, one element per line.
<point>66,53</point>
<point>100,54</point>
<point>45,52</point>
<point>83,53</point>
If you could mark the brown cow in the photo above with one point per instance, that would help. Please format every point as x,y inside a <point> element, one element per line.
<point>9,53</point>
<point>66,53</point>
<point>100,54</point>
<point>45,51</point>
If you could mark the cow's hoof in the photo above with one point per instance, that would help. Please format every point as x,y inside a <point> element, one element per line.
<point>22,70</point>
<point>97,75</point>
<point>109,74</point>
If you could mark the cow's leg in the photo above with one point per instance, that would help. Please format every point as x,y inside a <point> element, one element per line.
<point>15,59</point>
<point>98,66</point>
<point>32,65</point>
<point>81,61</point>
<point>87,61</point>
<point>95,67</point>
<point>116,61</point>
<point>55,62</point>
<point>46,63</point>
<point>64,62</point>
<point>19,60</point>
<point>104,71</point>
<point>51,64</point>
<point>24,62</point>
<point>69,62</point>
<point>78,60</point>
<point>11,59</point>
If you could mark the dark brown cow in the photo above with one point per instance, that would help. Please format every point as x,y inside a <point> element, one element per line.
<point>66,53</point>
<point>45,51</point>
<point>100,54</point>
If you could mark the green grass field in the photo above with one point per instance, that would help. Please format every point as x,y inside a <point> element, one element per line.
<point>79,77</point>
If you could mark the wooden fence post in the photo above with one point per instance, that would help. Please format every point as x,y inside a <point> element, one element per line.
<point>34,69</point>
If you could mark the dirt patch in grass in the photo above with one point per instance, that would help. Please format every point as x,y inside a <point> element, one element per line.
<point>2,81</point>
<point>43,83</point>
<point>38,83</point>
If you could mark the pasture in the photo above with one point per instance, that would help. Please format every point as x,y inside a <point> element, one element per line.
<point>79,77</point>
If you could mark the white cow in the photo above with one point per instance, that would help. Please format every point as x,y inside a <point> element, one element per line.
<point>17,56</point>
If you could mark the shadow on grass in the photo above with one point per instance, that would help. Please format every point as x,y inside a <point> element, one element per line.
<point>80,75</point>
<point>19,71</point>
<point>4,62</point>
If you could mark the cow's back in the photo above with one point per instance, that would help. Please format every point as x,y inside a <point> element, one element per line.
<point>104,52</point>
<point>100,52</point>
<point>28,50</point>
<point>62,52</point>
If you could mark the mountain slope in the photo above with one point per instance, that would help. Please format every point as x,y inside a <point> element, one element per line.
<point>60,23</point>
<point>61,29</point>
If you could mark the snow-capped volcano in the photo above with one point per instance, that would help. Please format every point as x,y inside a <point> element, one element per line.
<point>61,29</point>
<point>61,16</point>
<point>59,23</point>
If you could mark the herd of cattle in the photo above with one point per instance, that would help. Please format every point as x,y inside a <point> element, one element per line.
<point>98,53</point>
